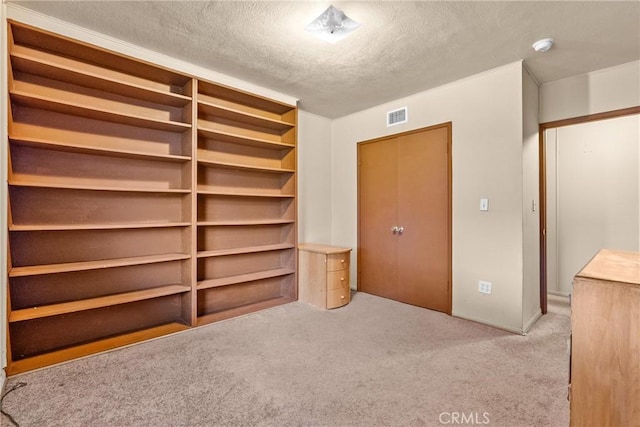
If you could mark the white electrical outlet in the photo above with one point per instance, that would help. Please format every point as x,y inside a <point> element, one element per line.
<point>484,287</point>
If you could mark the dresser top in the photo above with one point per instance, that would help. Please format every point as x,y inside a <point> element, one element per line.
<point>324,249</point>
<point>614,266</point>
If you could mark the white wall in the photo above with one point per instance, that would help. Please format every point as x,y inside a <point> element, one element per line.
<point>597,186</point>
<point>314,178</point>
<point>530,202</point>
<point>596,92</point>
<point>486,111</point>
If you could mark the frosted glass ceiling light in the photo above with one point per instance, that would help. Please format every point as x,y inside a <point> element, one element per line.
<point>543,45</point>
<point>333,25</point>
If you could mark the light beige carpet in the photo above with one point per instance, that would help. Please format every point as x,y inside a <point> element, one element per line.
<point>373,362</point>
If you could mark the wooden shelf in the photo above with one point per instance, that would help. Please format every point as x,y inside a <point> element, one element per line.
<point>235,138</point>
<point>242,278</point>
<point>159,76</point>
<point>72,227</point>
<point>93,303</point>
<point>226,165</point>
<point>243,309</point>
<point>243,223</point>
<point>36,270</point>
<point>245,250</point>
<point>275,112</point>
<point>99,188</point>
<point>240,97</point>
<point>243,117</point>
<point>86,149</point>
<point>67,107</point>
<point>68,70</point>
<point>241,194</point>
<point>39,361</point>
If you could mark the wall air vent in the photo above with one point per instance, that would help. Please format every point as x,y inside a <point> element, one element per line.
<point>397,117</point>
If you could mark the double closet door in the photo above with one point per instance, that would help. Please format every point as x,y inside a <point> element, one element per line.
<point>404,217</point>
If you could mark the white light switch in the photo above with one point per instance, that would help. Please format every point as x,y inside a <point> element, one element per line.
<point>484,204</point>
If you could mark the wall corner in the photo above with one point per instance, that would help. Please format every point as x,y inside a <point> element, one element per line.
<point>530,200</point>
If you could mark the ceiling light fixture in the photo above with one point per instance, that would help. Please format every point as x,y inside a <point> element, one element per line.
<point>543,45</point>
<point>332,26</point>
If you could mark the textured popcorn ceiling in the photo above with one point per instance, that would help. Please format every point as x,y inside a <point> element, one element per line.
<point>400,49</point>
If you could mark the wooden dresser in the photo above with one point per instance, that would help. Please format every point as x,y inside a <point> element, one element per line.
<point>605,357</point>
<point>324,275</point>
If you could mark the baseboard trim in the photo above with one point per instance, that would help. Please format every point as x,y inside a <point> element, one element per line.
<point>532,321</point>
<point>488,323</point>
<point>559,294</point>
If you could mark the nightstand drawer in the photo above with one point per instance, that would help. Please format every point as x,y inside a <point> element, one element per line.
<point>338,261</point>
<point>337,279</point>
<point>338,297</point>
<point>324,275</point>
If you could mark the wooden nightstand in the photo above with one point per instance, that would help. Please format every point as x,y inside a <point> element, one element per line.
<point>324,275</point>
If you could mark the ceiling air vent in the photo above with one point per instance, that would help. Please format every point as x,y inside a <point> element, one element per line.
<point>398,116</point>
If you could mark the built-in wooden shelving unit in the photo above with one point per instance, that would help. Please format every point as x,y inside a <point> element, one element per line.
<point>142,201</point>
<point>246,202</point>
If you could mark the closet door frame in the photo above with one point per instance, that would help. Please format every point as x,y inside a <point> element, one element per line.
<point>448,126</point>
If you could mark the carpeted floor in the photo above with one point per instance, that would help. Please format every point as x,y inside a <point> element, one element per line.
<point>373,362</point>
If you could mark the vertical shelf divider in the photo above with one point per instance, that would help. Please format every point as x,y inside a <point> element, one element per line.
<point>193,295</point>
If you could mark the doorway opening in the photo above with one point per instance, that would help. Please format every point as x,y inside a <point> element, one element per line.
<point>586,200</point>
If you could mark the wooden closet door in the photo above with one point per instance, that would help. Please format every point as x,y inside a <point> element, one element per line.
<point>377,181</point>
<point>423,212</point>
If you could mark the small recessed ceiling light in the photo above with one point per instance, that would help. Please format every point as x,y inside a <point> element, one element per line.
<point>543,45</point>
<point>333,25</point>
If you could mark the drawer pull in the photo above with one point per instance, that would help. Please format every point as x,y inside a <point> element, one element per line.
<point>342,279</point>
<point>342,261</point>
<point>341,296</point>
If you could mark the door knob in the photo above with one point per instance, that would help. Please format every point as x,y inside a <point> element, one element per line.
<point>400,230</point>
